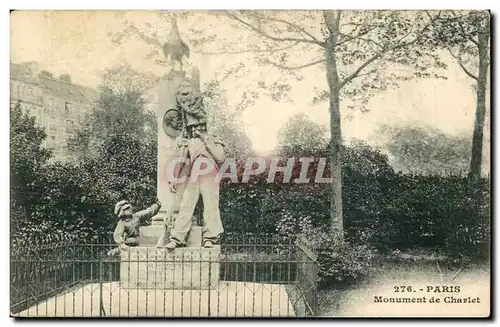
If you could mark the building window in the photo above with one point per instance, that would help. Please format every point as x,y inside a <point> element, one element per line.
<point>51,142</point>
<point>50,104</point>
<point>67,108</point>
<point>29,91</point>
<point>70,127</point>
<point>14,91</point>
<point>33,112</point>
<point>52,124</point>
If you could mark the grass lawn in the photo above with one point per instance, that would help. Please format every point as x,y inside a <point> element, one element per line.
<point>358,300</point>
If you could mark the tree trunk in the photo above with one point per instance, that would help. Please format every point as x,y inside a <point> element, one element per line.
<point>477,138</point>
<point>336,215</point>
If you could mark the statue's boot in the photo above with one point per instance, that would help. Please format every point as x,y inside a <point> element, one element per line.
<point>171,245</point>
<point>208,244</point>
<point>114,252</point>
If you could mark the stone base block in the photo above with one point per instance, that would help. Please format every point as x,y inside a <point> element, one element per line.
<point>195,237</point>
<point>149,235</point>
<point>187,268</point>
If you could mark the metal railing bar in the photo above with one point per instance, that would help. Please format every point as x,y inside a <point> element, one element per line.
<point>44,274</point>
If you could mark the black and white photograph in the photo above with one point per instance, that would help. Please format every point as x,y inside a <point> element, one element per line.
<point>250,163</point>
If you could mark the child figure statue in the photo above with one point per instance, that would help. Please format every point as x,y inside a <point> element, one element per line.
<point>127,229</point>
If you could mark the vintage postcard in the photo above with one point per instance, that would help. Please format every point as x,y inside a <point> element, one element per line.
<point>236,163</point>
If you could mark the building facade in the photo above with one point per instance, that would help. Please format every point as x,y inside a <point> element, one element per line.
<point>57,104</point>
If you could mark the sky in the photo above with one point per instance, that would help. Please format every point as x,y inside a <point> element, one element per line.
<point>79,43</point>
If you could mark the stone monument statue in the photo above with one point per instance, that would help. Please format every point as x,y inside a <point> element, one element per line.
<point>126,232</point>
<point>182,134</point>
<point>175,48</point>
<point>189,124</point>
<point>169,93</point>
<point>199,149</point>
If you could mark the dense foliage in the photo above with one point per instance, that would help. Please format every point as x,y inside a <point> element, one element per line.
<point>27,156</point>
<point>341,262</point>
<point>425,150</point>
<point>383,210</point>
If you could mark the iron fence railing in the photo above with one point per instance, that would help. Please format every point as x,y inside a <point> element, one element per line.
<point>248,275</point>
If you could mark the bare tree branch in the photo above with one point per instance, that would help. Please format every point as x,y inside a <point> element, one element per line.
<point>428,14</point>
<point>327,16</point>
<point>246,51</point>
<point>151,40</point>
<point>407,34</point>
<point>462,29</point>
<point>274,38</point>
<point>380,45</point>
<point>399,44</point>
<point>366,74</point>
<point>369,26</point>
<point>339,13</point>
<point>294,67</point>
<point>354,37</point>
<point>374,70</point>
<point>457,58</point>
<point>456,274</point>
<point>295,26</point>
<point>349,78</point>
<point>441,274</point>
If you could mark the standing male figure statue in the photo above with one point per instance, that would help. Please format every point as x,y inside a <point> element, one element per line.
<point>203,156</point>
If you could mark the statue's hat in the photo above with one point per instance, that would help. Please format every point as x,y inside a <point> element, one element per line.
<point>120,206</point>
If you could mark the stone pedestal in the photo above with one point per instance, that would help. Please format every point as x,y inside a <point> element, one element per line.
<point>149,235</point>
<point>167,144</point>
<point>187,268</point>
<point>167,149</point>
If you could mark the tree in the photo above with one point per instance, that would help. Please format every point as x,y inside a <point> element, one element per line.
<point>120,136</point>
<point>226,123</point>
<point>362,52</point>
<point>27,157</point>
<point>117,147</point>
<point>301,137</point>
<point>425,150</point>
<point>121,78</point>
<point>466,35</point>
<point>364,160</point>
<point>116,113</point>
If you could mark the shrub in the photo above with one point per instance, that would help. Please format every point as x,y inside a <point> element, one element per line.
<point>470,227</point>
<point>240,208</point>
<point>341,262</point>
<point>418,211</point>
<point>298,208</point>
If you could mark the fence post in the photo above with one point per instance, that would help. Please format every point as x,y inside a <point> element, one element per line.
<point>309,273</point>
<point>315,286</point>
<point>102,312</point>
<point>209,280</point>
<point>27,272</point>
<point>315,268</point>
